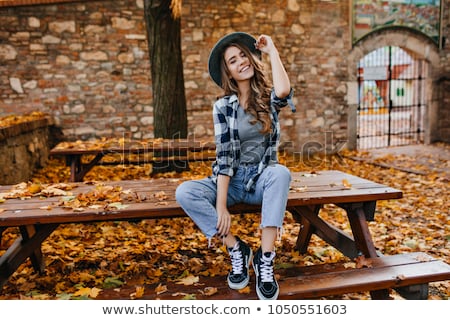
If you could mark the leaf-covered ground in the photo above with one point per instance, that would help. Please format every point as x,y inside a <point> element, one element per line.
<point>83,261</point>
<point>13,119</point>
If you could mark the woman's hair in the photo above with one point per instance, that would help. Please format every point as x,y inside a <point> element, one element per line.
<point>258,103</point>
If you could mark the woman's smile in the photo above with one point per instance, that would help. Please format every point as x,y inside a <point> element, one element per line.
<point>245,68</point>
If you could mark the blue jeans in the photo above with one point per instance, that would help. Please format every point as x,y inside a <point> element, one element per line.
<point>198,197</point>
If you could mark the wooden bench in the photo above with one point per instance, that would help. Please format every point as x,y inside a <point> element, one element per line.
<point>405,273</point>
<point>83,156</point>
<point>153,199</point>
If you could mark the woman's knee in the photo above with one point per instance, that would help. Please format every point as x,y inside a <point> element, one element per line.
<point>281,174</point>
<point>193,190</point>
<point>285,172</point>
<point>182,192</point>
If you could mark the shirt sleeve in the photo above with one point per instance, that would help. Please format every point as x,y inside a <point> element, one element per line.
<point>222,136</point>
<point>279,103</point>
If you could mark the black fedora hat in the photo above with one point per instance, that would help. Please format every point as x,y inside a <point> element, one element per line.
<point>217,51</point>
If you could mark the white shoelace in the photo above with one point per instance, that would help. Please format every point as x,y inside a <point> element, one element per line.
<point>237,262</point>
<point>266,268</point>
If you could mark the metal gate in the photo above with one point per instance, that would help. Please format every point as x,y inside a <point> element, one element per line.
<point>392,97</point>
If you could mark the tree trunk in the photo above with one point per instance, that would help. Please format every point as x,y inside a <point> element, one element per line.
<point>169,99</point>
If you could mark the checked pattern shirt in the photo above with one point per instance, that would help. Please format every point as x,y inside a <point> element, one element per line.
<point>227,136</point>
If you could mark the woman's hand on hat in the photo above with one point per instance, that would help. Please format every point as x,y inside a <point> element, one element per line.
<point>265,44</point>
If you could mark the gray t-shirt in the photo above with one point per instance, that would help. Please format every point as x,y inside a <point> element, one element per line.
<point>253,142</point>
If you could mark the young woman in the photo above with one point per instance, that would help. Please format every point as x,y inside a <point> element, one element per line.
<point>246,169</point>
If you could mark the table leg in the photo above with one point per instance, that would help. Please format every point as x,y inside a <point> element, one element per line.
<point>1,232</point>
<point>361,233</point>
<point>77,169</point>
<point>308,216</point>
<point>357,214</point>
<point>75,166</point>
<point>28,245</point>
<point>36,256</point>
<point>306,228</point>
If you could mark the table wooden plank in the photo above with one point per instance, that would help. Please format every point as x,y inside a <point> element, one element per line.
<point>327,181</point>
<point>318,191</point>
<point>82,157</point>
<point>95,147</point>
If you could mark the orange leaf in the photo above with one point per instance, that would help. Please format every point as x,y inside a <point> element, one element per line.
<point>346,184</point>
<point>209,291</point>
<point>82,292</point>
<point>362,262</point>
<point>246,290</point>
<point>138,293</point>
<point>90,292</point>
<point>160,289</point>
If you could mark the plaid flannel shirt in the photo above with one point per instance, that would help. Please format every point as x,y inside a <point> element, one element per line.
<point>228,148</point>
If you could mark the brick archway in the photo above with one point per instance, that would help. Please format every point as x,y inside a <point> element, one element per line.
<point>409,41</point>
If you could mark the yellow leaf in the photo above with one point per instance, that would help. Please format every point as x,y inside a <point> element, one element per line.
<point>346,184</point>
<point>160,289</point>
<point>209,291</point>
<point>94,292</point>
<point>161,195</point>
<point>157,273</point>
<point>86,277</point>
<point>189,280</point>
<point>349,265</point>
<point>51,191</point>
<point>246,290</point>
<point>82,292</point>
<point>138,293</point>
<point>89,292</point>
<point>34,188</point>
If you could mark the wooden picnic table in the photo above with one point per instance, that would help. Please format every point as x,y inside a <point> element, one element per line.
<point>38,216</point>
<point>82,156</point>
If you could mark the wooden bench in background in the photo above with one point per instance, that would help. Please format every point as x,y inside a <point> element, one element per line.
<point>83,156</point>
<point>155,198</point>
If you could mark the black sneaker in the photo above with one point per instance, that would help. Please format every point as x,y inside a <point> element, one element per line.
<point>240,255</point>
<point>266,284</point>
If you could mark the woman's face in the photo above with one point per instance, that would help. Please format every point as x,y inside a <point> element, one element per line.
<point>238,64</point>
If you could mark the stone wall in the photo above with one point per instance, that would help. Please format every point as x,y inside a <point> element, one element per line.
<point>24,147</point>
<point>86,63</point>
